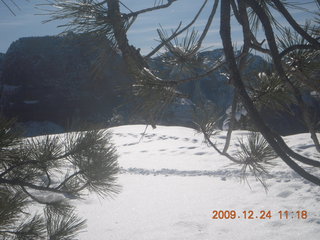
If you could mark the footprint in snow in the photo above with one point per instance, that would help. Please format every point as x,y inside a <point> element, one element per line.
<point>163,137</point>
<point>149,135</point>
<point>314,220</point>
<point>284,194</point>
<point>190,224</point>
<point>130,144</point>
<point>119,134</point>
<point>174,138</point>
<point>200,153</point>
<point>133,135</point>
<point>296,186</point>
<point>192,147</point>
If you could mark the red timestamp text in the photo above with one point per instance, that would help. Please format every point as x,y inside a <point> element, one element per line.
<point>261,214</point>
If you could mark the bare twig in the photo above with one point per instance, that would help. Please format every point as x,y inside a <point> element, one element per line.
<point>209,21</point>
<point>134,14</point>
<point>156,49</point>
<point>207,138</point>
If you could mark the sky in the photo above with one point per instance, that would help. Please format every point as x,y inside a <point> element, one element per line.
<point>143,35</point>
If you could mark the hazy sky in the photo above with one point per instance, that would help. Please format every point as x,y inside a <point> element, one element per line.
<point>143,33</point>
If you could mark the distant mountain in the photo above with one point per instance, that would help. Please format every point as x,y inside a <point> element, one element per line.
<point>216,89</point>
<point>59,79</point>
<point>2,55</point>
<point>50,83</point>
<point>215,86</point>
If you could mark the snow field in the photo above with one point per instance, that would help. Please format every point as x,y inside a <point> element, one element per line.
<point>172,181</point>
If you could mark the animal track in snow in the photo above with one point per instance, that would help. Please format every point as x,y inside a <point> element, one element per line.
<point>284,194</point>
<point>200,153</point>
<point>192,147</point>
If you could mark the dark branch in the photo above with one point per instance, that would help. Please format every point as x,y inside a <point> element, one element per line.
<point>295,155</point>
<point>231,123</point>
<point>207,138</point>
<point>206,29</point>
<point>134,14</point>
<point>156,49</point>
<point>8,7</point>
<point>197,77</point>
<point>32,162</point>
<point>68,179</point>
<point>280,70</point>
<point>225,32</point>
<point>18,182</point>
<point>31,196</point>
<point>295,25</point>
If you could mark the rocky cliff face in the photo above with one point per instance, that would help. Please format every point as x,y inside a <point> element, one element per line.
<point>60,79</point>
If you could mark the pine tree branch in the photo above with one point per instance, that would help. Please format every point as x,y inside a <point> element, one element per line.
<point>295,155</point>
<point>296,47</point>
<point>225,32</point>
<point>242,18</point>
<point>8,7</point>
<point>156,49</point>
<point>68,179</point>
<point>208,24</point>
<point>249,38</point>
<point>197,77</point>
<point>18,182</point>
<point>295,25</point>
<point>176,82</point>
<point>236,12</point>
<point>207,138</point>
<point>260,49</point>
<point>231,123</point>
<point>48,177</point>
<point>32,162</point>
<point>134,61</point>
<point>146,10</point>
<point>31,196</point>
<point>10,232</point>
<point>280,70</point>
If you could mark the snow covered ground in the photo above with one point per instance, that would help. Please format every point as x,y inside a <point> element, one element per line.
<point>172,182</point>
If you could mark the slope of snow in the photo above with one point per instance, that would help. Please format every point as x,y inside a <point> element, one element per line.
<point>172,182</point>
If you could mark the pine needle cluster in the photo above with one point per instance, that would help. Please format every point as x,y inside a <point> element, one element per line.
<point>255,155</point>
<point>47,171</point>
